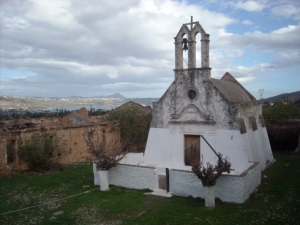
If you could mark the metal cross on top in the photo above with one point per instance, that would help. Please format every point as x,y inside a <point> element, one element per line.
<point>191,23</point>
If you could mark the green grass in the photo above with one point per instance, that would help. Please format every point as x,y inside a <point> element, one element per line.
<point>277,200</point>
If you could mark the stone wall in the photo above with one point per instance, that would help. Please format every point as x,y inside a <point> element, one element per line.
<point>69,129</point>
<point>76,149</point>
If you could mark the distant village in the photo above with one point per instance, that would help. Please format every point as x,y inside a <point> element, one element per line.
<point>16,107</point>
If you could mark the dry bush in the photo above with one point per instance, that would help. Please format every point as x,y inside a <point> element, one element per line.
<point>106,156</point>
<point>209,174</point>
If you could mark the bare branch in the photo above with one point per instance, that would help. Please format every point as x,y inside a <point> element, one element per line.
<point>105,156</point>
<point>209,174</point>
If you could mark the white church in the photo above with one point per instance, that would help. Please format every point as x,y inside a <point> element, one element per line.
<point>199,116</point>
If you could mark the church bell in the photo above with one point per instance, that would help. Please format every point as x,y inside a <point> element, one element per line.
<point>185,47</point>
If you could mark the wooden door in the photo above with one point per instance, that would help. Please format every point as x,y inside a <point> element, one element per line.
<point>191,148</point>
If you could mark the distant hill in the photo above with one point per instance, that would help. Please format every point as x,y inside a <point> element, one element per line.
<point>293,96</point>
<point>116,95</point>
<point>76,97</point>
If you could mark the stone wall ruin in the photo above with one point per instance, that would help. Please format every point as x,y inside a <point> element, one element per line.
<point>70,128</point>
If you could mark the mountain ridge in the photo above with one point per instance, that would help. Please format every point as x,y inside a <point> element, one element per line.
<point>292,96</point>
<point>100,102</point>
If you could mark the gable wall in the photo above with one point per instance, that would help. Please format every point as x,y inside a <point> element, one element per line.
<point>209,100</point>
<point>224,133</point>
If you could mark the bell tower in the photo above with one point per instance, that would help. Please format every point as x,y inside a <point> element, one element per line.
<point>189,44</point>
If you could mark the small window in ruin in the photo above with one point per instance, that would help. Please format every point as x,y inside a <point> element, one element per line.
<point>10,152</point>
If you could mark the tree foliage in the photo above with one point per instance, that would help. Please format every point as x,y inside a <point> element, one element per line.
<point>134,125</point>
<point>38,150</point>
<point>281,111</point>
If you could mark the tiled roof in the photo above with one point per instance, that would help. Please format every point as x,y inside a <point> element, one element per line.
<point>232,90</point>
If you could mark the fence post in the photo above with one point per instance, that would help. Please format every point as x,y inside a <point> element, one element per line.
<point>167,180</point>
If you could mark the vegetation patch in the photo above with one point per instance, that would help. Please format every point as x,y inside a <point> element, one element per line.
<point>282,122</point>
<point>37,151</point>
<point>134,126</point>
<point>281,111</point>
<point>276,201</point>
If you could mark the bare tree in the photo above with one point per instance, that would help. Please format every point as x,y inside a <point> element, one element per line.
<point>105,156</point>
<point>209,174</point>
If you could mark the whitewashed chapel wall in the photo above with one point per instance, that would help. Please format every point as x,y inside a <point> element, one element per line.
<point>229,188</point>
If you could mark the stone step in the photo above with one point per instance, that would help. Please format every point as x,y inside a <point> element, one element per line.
<point>160,192</point>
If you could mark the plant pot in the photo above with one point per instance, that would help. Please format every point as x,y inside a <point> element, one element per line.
<point>209,195</point>
<point>96,175</point>
<point>103,177</point>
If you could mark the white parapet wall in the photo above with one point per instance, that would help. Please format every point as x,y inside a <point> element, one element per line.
<point>229,188</point>
<point>136,177</point>
<point>133,159</point>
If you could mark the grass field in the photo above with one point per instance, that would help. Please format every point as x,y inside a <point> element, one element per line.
<point>69,197</point>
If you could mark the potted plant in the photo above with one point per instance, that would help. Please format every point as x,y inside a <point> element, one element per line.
<point>209,175</point>
<point>105,157</point>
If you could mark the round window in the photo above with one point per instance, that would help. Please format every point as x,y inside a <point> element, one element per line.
<point>192,94</point>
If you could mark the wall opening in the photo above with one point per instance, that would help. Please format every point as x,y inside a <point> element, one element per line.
<point>10,152</point>
<point>185,53</point>
<point>191,148</point>
<point>198,51</point>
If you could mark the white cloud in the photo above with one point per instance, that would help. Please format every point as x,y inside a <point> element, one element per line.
<point>249,5</point>
<point>281,39</point>
<point>287,10</point>
<point>222,32</point>
<point>284,30</point>
<point>88,47</point>
<point>245,79</point>
<point>247,22</point>
<point>71,42</point>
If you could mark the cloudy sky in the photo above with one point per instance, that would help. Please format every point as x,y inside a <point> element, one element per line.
<point>63,48</point>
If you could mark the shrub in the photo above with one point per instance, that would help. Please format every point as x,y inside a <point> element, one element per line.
<point>37,151</point>
<point>281,111</point>
<point>282,130</point>
<point>134,126</point>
